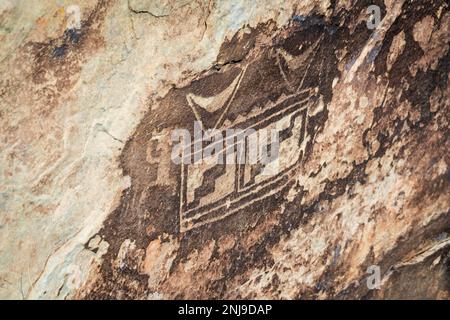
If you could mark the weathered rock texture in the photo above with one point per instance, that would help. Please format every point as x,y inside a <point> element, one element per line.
<point>93,207</point>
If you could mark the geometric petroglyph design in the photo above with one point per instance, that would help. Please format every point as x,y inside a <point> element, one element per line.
<point>211,192</point>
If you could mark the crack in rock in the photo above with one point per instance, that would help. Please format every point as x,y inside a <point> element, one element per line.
<point>135,11</point>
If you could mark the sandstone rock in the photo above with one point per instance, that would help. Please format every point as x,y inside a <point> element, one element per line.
<point>92,205</point>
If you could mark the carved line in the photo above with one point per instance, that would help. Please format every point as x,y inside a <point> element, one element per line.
<point>231,99</point>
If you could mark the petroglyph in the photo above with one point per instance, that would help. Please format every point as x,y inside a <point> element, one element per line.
<point>207,193</point>
<point>291,80</point>
<point>316,163</point>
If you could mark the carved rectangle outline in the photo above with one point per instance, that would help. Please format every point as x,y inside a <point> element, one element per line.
<point>291,106</point>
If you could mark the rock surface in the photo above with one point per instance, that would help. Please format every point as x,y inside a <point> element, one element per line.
<point>92,205</point>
